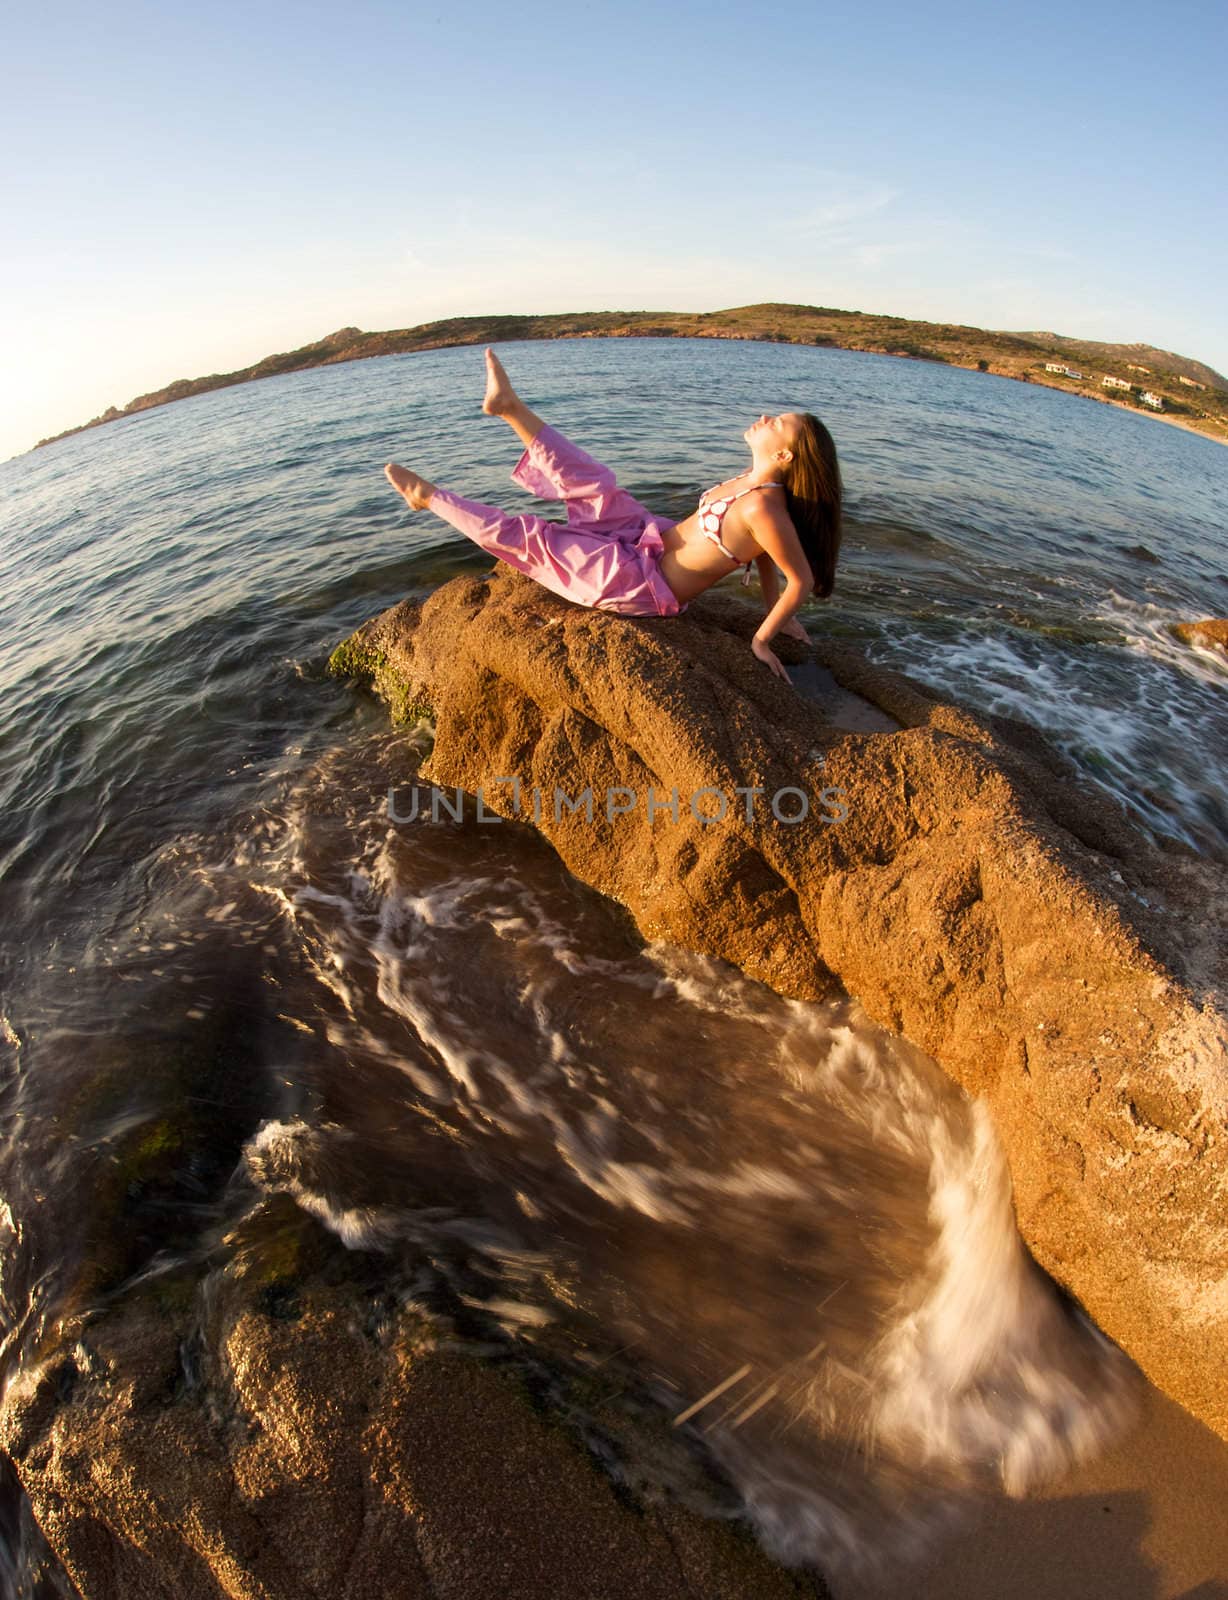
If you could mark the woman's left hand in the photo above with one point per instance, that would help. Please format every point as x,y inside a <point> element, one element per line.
<point>765,653</point>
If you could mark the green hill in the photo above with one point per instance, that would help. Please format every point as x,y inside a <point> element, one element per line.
<point>1161,362</point>
<point>1200,403</point>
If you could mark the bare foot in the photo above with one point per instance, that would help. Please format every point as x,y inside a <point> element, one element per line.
<point>415,489</point>
<point>500,397</point>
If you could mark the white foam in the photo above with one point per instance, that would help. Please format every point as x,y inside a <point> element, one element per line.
<point>1134,726</point>
<point>979,1368</point>
<point>973,1376</point>
<point>1146,628</point>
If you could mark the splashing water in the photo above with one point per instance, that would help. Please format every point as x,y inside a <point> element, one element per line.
<point>786,1222</point>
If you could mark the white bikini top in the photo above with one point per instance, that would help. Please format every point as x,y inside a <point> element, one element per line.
<point>711,516</point>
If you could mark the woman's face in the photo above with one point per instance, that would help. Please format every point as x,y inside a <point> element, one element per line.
<point>772,433</point>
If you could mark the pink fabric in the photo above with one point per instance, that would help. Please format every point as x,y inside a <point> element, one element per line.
<point>609,554</point>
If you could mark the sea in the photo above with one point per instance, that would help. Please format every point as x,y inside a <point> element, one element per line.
<point>220,954</point>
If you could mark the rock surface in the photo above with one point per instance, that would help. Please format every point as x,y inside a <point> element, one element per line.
<point>978,898</point>
<point>274,1434</point>
<point>1208,633</point>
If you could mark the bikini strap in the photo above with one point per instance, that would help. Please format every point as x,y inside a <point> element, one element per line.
<point>729,499</point>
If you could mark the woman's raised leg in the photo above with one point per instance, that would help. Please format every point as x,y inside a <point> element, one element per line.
<point>501,400</point>
<point>553,468</point>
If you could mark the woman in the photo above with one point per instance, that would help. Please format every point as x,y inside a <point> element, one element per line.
<point>616,555</point>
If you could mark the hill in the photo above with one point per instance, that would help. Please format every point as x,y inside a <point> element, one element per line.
<point>1189,392</point>
<point>1159,361</point>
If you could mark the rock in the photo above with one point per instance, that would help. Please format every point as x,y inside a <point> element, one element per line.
<point>1209,633</point>
<point>316,1443</point>
<point>978,897</point>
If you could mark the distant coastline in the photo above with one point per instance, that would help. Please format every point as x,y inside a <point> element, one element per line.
<point>1194,396</point>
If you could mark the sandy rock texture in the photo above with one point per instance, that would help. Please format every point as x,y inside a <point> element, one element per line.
<point>977,896</point>
<point>271,1435</point>
<point>1210,633</point>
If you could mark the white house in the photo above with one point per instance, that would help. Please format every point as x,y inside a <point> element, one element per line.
<point>1135,368</point>
<point>1054,366</point>
<point>1152,400</point>
<point>1189,382</point>
<point>1115,383</point>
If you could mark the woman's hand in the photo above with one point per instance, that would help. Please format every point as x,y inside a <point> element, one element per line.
<point>765,653</point>
<point>794,630</point>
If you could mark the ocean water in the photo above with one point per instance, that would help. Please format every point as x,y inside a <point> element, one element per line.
<point>215,943</point>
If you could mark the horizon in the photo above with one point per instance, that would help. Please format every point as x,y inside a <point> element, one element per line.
<point>241,185</point>
<point>485,317</point>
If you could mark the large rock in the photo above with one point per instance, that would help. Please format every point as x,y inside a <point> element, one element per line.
<point>977,897</point>
<point>285,1430</point>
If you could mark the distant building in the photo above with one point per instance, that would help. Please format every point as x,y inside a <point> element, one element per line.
<point>1152,400</point>
<point>1189,383</point>
<point>1060,366</point>
<point>1134,368</point>
<point>1116,383</point>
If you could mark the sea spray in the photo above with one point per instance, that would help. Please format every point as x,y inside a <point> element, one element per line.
<point>779,1219</point>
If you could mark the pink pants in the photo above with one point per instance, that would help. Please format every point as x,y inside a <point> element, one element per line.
<point>609,554</point>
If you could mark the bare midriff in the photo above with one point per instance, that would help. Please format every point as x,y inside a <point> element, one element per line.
<point>691,563</point>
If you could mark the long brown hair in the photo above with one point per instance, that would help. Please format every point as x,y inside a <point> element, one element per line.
<point>813,495</point>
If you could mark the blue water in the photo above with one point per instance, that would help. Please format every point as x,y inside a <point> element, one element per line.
<point>170,582</point>
<point>184,793</point>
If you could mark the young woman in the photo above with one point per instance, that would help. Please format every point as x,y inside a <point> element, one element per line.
<point>616,555</point>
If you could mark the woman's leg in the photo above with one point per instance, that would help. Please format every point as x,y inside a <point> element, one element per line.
<point>501,400</point>
<point>524,542</point>
<point>417,490</point>
<point>553,468</point>
<point>581,565</point>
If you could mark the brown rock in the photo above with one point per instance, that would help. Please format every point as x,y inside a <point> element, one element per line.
<point>321,1453</point>
<point>978,897</point>
<point>1210,632</point>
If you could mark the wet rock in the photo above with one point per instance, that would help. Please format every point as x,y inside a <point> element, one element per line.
<point>1209,633</point>
<point>952,870</point>
<point>331,1454</point>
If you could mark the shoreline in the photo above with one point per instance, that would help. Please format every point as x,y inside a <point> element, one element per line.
<point>1173,422</point>
<point>1016,356</point>
<point>1043,383</point>
<point>1119,405</point>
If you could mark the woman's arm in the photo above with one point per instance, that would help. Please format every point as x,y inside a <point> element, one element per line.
<point>769,587</point>
<point>776,536</point>
<point>769,583</point>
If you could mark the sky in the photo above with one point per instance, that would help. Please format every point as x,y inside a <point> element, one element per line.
<point>185,189</point>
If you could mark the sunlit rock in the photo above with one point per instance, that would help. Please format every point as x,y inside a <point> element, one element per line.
<point>949,869</point>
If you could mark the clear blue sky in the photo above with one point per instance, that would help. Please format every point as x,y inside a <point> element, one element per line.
<point>185,189</point>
